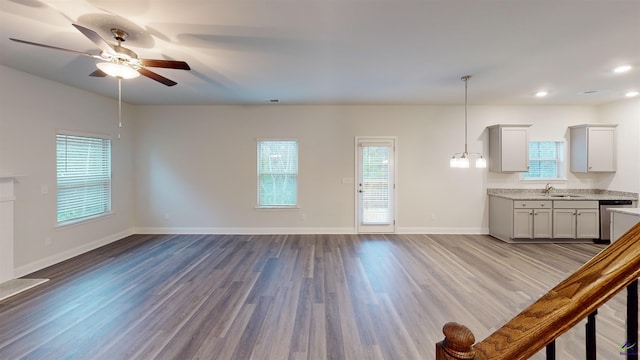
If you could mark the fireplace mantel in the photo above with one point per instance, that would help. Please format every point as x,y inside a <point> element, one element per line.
<point>7,199</point>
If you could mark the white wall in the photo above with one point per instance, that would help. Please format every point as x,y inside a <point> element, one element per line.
<point>192,168</point>
<point>627,115</point>
<point>33,110</point>
<point>195,166</point>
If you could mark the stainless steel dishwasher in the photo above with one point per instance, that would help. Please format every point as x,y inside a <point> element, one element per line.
<point>605,216</point>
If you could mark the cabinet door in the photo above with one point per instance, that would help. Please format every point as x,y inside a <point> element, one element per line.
<point>588,224</point>
<point>523,223</point>
<point>601,148</point>
<point>564,223</point>
<point>542,223</point>
<point>515,149</point>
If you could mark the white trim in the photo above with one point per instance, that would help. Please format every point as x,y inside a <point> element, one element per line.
<point>453,231</point>
<point>277,207</point>
<point>83,134</point>
<point>244,231</point>
<point>68,254</point>
<point>565,164</point>
<point>383,140</point>
<point>301,230</point>
<point>83,220</point>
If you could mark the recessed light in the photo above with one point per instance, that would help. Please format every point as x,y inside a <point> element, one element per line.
<point>542,93</point>
<point>622,69</point>
<point>631,94</point>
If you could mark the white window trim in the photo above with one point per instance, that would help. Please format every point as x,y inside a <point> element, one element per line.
<point>562,180</point>
<point>91,218</point>
<point>295,206</point>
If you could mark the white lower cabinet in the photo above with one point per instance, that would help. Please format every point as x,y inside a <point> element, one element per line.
<point>513,220</point>
<point>576,220</point>
<point>531,219</point>
<point>532,223</point>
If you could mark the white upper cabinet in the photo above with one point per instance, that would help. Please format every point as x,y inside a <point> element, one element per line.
<point>593,148</point>
<point>509,148</point>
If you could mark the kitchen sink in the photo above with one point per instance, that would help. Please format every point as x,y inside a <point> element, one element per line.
<point>565,196</point>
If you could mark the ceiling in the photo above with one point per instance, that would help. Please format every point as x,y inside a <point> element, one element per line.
<point>340,51</point>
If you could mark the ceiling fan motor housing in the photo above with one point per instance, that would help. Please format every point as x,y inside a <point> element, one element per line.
<point>119,34</point>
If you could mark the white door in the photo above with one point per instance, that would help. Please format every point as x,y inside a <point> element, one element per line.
<point>375,185</point>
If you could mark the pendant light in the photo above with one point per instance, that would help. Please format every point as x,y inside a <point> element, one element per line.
<point>461,160</point>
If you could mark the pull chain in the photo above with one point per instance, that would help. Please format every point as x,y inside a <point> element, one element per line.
<point>119,105</point>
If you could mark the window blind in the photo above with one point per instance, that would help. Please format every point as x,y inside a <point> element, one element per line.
<point>545,160</point>
<point>83,177</point>
<point>277,173</point>
<point>375,185</point>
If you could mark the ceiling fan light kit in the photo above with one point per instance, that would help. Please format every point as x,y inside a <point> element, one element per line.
<point>117,70</point>
<point>118,61</point>
<point>461,160</point>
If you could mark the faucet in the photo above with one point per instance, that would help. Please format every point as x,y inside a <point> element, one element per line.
<point>548,188</point>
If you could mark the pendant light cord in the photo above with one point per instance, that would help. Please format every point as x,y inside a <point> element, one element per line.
<point>465,78</point>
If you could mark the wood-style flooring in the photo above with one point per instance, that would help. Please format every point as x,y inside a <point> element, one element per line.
<point>289,297</point>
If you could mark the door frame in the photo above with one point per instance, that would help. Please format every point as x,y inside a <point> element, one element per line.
<point>394,171</point>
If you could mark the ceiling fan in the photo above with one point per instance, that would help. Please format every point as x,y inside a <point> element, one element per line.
<point>118,61</point>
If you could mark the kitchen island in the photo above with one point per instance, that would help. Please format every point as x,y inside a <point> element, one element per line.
<point>622,220</point>
<point>533,215</point>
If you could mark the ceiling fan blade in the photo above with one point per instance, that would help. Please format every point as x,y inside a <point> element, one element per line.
<point>96,39</point>
<point>98,73</point>
<point>169,64</point>
<point>156,77</point>
<point>55,48</point>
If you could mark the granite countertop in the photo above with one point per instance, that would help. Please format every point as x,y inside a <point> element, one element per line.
<point>630,211</point>
<point>562,194</point>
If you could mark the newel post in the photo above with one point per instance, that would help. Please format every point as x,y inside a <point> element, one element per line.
<point>457,344</point>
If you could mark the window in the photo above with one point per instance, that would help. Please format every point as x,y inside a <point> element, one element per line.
<point>546,160</point>
<point>277,173</point>
<point>83,177</point>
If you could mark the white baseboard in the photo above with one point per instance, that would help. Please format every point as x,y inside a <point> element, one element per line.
<point>65,255</point>
<point>304,230</point>
<point>243,231</point>
<point>430,230</point>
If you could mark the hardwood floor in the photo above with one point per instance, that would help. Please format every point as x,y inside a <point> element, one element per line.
<point>289,297</point>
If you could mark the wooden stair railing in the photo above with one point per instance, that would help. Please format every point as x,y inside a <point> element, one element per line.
<point>564,306</point>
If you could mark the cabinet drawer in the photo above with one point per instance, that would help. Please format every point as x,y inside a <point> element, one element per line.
<point>531,204</point>
<point>575,204</point>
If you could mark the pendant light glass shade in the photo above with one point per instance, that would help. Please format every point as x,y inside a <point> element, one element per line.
<point>461,160</point>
